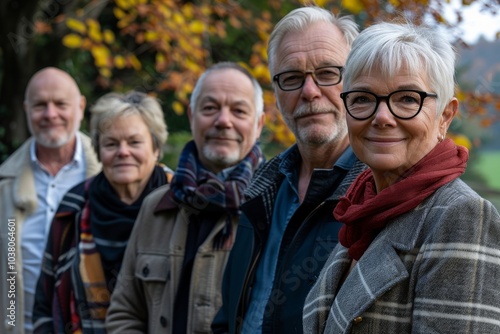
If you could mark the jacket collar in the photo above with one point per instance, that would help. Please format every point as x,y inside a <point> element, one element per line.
<point>381,261</point>
<point>18,168</point>
<point>165,203</point>
<point>359,291</point>
<point>261,194</point>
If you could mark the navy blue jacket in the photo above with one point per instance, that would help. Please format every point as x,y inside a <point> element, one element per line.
<point>310,236</point>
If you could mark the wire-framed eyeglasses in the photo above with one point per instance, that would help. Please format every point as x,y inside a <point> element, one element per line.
<point>403,104</point>
<point>322,76</point>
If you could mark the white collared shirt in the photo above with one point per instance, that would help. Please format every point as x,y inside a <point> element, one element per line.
<point>50,190</point>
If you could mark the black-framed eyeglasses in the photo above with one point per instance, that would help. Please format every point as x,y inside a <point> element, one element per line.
<point>322,76</point>
<point>403,104</point>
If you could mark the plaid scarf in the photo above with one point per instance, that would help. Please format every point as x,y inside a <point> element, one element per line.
<point>365,212</point>
<point>105,227</point>
<point>198,189</point>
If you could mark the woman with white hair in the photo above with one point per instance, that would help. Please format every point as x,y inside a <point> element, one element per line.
<point>419,250</point>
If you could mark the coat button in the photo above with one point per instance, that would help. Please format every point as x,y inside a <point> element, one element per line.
<point>163,321</point>
<point>357,320</point>
<point>145,271</point>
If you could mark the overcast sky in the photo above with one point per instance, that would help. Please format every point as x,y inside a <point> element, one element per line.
<point>476,23</point>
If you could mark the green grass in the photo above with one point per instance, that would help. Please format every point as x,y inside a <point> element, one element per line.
<point>488,165</point>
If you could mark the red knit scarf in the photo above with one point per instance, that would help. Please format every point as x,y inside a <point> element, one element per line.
<point>365,213</point>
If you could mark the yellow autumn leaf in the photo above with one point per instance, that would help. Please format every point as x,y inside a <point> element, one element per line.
<point>165,11</point>
<point>109,36</point>
<point>76,25</point>
<point>95,35</point>
<point>93,24</point>
<point>206,10</point>
<point>101,55</point>
<point>72,41</point>
<point>187,10</point>
<point>124,4</point>
<point>150,36</point>
<point>188,87</point>
<point>119,14</point>
<point>395,3</point>
<point>105,72</point>
<point>191,66</point>
<point>178,108</point>
<point>120,62</point>
<point>354,6</point>
<point>182,94</point>
<point>321,3</point>
<point>94,30</point>
<point>460,95</point>
<point>196,27</point>
<point>136,64</point>
<point>160,62</point>
<point>185,45</point>
<point>462,141</point>
<point>178,19</point>
<point>261,72</point>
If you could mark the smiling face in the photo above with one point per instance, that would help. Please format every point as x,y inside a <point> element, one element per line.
<point>315,114</point>
<point>224,125</point>
<point>126,152</point>
<point>388,145</point>
<point>54,108</point>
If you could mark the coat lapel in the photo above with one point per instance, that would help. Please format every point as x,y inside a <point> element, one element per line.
<point>376,272</point>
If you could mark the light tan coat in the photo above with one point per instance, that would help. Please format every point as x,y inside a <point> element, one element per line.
<point>143,298</point>
<point>18,200</point>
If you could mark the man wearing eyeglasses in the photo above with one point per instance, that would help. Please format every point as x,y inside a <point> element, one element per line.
<point>287,229</point>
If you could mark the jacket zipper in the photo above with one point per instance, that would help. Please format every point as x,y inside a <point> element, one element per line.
<point>302,226</point>
<point>243,295</point>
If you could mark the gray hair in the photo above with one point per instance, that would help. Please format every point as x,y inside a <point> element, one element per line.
<point>299,19</point>
<point>113,105</point>
<point>258,94</point>
<point>391,47</point>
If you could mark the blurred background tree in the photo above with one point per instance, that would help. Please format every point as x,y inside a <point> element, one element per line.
<point>162,46</point>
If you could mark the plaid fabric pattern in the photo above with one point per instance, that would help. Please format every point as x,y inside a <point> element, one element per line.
<point>431,270</point>
<point>198,189</point>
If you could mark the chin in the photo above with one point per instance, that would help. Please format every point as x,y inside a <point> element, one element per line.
<point>50,142</point>
<point>222,157</point>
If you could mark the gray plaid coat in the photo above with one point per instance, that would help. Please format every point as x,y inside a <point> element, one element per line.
<point>435,269</point>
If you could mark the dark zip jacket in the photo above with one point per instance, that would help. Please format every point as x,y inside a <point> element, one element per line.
<point>310,236</point>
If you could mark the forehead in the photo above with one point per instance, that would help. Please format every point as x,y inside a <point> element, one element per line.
<point>51,86</point>
<point>227,85</point>
<point>390,78</point>
<point>320,44</point>
<point>128,124</point>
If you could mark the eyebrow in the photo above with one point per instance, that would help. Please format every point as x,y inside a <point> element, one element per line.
<point>209,98</point>
<point>403,87</point>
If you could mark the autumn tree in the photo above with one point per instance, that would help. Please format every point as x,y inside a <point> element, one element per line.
<point>162,47</point>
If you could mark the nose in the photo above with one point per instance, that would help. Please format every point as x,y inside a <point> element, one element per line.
<point>224,118</point>
<point>383,116</point>
<point>123,149</point>
<point>50,110</point>
<point>310,89</point>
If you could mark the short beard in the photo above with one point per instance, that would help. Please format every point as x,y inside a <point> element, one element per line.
<point>53,143</point>
<point>46,141</point>
<point>308,137</point>
<point>223,161</point>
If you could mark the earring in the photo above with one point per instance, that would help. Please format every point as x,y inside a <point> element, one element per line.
<point>441,138</point>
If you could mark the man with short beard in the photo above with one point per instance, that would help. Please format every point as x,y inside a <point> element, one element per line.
<point>34,179</point>
<point>172,269</point>
<point>287,228</point>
